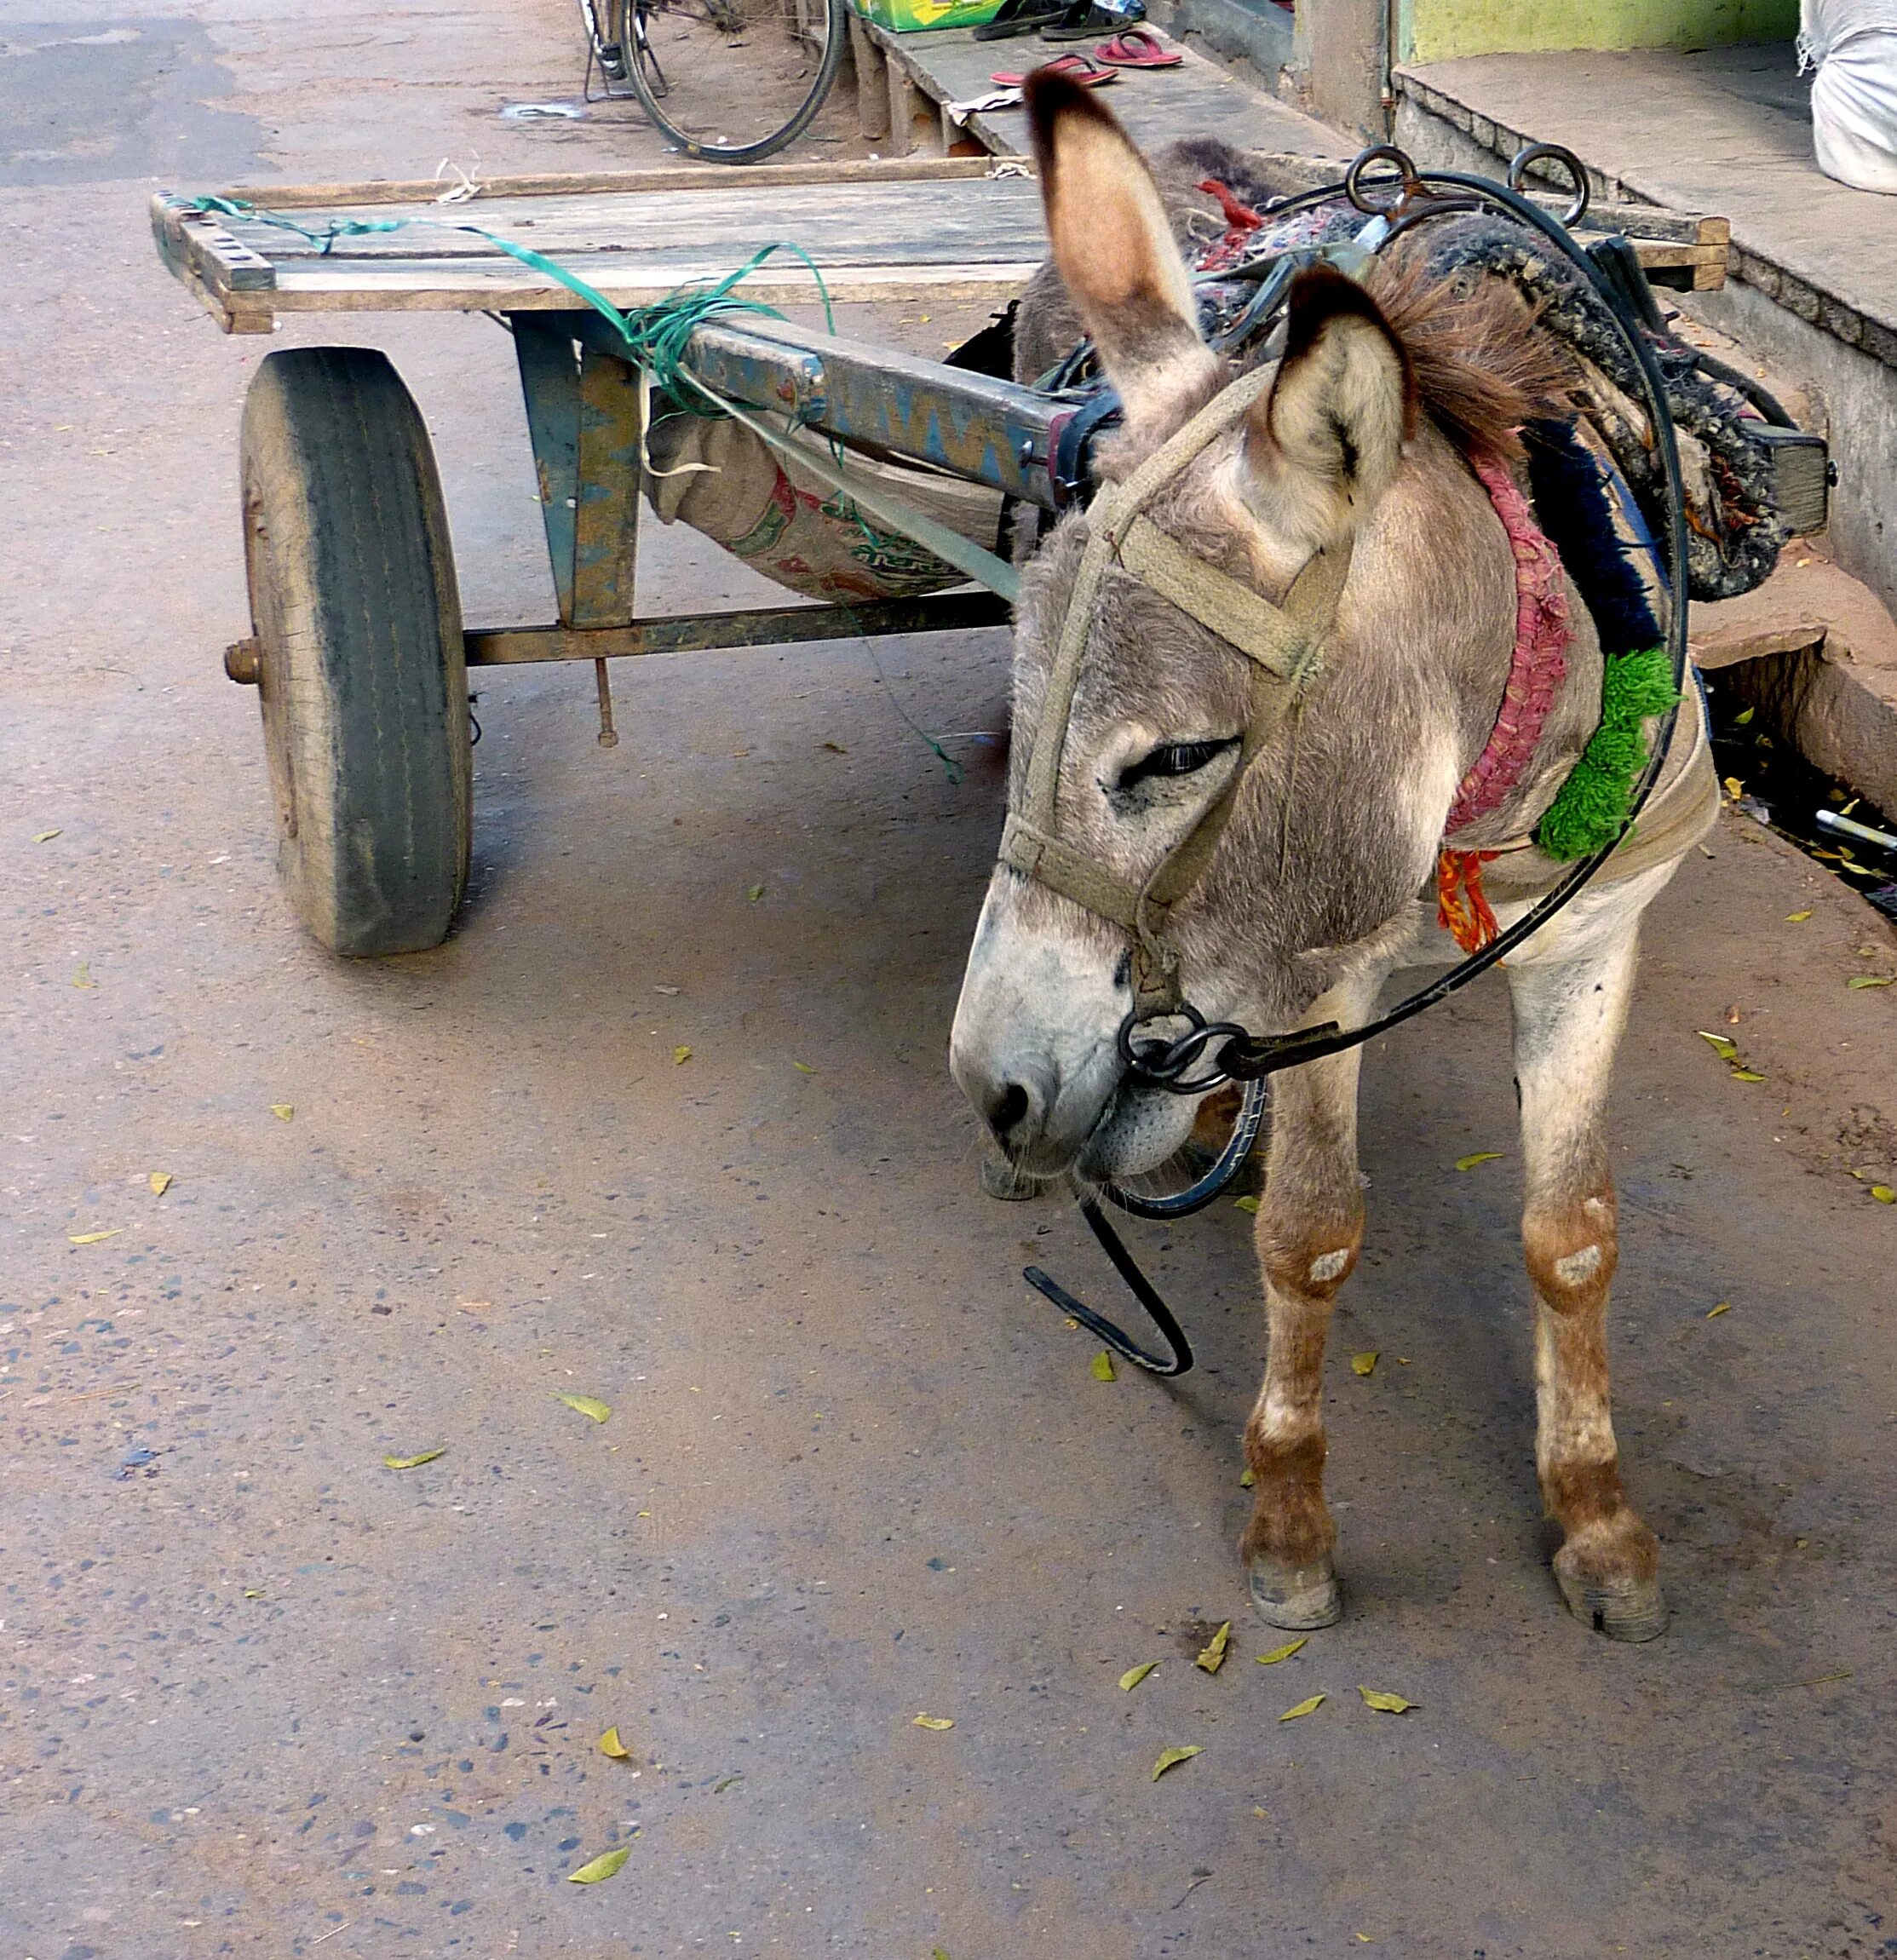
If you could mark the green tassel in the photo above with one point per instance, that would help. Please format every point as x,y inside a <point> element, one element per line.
<point>1591,807</point>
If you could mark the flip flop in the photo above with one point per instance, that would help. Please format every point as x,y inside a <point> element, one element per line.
<point>1137,48</point>
<point>1015,17</point>
<point>1082,21</point>
<point>1080,68</point>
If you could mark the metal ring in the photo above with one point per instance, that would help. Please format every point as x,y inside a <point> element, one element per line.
<point>1380,153</point>
<point>1554,152</point>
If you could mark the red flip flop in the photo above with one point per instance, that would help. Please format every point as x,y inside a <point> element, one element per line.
<point>1138,47</point>
<point>1081,68</point>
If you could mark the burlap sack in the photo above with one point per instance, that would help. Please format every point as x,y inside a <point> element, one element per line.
<point>787,524</point>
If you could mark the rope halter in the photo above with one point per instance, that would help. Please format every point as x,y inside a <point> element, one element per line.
<point>1284,644</point>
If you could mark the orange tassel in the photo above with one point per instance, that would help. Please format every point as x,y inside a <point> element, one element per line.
<point>1461,905</point>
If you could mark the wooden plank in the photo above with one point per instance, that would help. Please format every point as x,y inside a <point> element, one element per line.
<point>752,178</point>
<point>872,86</point>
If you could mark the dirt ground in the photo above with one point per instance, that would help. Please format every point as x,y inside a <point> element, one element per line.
<point>261,1695</point>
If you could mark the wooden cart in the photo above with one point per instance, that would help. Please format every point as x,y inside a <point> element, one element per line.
<point>358,649</point>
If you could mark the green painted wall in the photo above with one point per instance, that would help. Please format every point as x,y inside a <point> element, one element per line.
<point>1441,30</point>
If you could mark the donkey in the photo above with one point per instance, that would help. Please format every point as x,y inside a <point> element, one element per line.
<point>1384,394</point>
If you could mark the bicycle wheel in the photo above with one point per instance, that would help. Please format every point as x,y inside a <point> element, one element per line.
<point>733,80</point>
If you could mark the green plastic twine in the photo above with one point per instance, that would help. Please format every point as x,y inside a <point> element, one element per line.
<point>1591,807</point>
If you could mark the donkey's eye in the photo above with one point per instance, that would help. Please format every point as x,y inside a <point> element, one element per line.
<point>1174,759</point>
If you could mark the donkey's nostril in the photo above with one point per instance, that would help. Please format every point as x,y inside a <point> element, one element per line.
<point>1008,1108</point>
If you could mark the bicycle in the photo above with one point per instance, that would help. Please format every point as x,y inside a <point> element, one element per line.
<point>724,81</point>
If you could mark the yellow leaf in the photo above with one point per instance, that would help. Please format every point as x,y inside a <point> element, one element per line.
<point>1364,1364</point>
<point>1248,1478</point>
<point>160,1182</point>
<point>610,1744</point>
<point>681,1057</point>
<point>253,1592</point>
<point>603,1866</point>
<point>1744,716</point>
<point>755,894</point>
<point>83,976</point>
<point>94,1237</point>
<point>1211,1656</point>
<point>1315,1701</point>
<point>1170,1758</point>
<point>44,837</point>
<point>1723,1048</point>
<point>1478,1157</point>
<point>804,1068</point>
<point>1883,1194</point>
<point>1858,980</point>
<point>1797,918</point>
<point>1134,1675</point>
<point>587,1406</point>
<point>1734,788</point>
<point>1102,1367</point>
<point>1724,1306</point>
<point>414,1462</point>
<point>1285,1652</point>
<point>1747,1075</point>
<point>1384,1704</point>
<point>937,1722</point>
<point>283,1111</point>
<point>1249,1205</point>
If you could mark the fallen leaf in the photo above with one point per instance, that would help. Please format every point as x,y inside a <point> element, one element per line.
<point>724,1783</point>
<point>837,748</point>
<point>1248,1478</point>
<point>1797,918</point>
<point>1102,1367</point>
<point>44,837</point>
<point>1384,1704</point>
<point>1364,1364</point>
<point>587,1406</point>
<point>1478,1157</point>
<point>755,894</point>
<point>681,1057</point>
<point>283,1111</point>
<point>1883,1194</point>
<point>1211,1656</point>
<point>1249,1205</point>
<point>83,975</point>
<point>1857,981</point>
<point>94,1237</point>
<point>1724,1306</point>
<point>610,1744</point>
<point>603,1866</point>
<point>1170,1759</point>
<point>253,1592</point>
<point>804,1068</point>
<point>1747,1075</point>
<point>1734,788</point>
<point>414,1462</point>
<point>1134,1675</point>
<point>1726,1050</point>
<point>1316,1701</point>
<point>668,991</point>
<point>937,1722</point>
<point>160,1182</point>
<point>1285,1652</point>
<point>1744,716</point>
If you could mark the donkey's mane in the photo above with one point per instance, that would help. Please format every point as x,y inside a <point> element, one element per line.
<point>1482,365</point>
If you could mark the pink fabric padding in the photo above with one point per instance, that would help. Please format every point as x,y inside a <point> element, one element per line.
<point>1537,666</point>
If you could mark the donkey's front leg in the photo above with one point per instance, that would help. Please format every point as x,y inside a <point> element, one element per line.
<point>1569,1011</point>
<point>1310,1226</point>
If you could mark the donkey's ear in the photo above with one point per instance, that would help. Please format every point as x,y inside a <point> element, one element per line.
<point>1114,249</point>
<point>1325,444</point>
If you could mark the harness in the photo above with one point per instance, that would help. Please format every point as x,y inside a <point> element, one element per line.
<point>1284,645</point>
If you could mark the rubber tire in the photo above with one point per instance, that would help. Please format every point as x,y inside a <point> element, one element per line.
<point>362,672</point>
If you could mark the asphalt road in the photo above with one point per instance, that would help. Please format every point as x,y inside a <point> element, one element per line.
<point>260,1694</point>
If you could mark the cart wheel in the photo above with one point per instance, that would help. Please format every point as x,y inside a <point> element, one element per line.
<point>357,650</point>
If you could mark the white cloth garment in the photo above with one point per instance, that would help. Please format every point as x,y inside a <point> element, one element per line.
<point>1852,45</point>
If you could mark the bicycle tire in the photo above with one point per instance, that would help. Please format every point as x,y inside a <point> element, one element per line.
<point>643,69</point>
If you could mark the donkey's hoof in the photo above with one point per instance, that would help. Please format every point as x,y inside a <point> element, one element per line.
<point>1298,1598</point>
<point>1628,1609</point>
